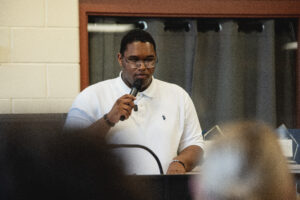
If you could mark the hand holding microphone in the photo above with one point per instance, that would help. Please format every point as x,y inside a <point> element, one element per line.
<point>136,87</point>
<point>122,108</point>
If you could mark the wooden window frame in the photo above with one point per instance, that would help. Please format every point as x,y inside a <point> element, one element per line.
<point>187,8</point>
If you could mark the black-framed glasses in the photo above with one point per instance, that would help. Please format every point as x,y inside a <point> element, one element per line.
<point>135,63</point>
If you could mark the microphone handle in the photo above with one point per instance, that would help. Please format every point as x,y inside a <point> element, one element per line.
<point>122,118</point>
<point>133,92</point>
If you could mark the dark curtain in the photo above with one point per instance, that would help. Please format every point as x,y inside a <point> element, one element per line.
<point>233,69</point>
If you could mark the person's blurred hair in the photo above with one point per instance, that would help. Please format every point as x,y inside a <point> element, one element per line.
<point>245,164</point>
<point>74,165</point>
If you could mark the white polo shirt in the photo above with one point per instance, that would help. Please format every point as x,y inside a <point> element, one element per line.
<point>166,121</point>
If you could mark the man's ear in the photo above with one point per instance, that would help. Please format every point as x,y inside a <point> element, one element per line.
<point>120,59</point>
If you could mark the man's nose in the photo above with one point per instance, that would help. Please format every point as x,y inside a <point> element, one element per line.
<point>141,64</point>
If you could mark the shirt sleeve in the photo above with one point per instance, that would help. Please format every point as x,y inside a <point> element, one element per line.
<point>77,119</point>
<point>192,133</point>
<point>81,114</point>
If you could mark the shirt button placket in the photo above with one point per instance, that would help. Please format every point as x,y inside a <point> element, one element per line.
<point>140,109</point>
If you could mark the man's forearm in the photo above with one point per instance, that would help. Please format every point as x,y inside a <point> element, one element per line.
<point>99,128</point>
<point>190,156</point>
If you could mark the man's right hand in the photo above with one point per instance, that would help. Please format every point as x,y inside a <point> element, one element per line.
<point>122,107</point>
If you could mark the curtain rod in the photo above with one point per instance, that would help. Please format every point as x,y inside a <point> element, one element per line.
<point>118,27</point>
<point>290,46</point>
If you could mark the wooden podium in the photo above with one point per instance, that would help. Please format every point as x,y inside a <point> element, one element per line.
<point>163,187</point>
<point>176,187</point>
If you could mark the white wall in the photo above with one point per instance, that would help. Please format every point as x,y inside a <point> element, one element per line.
<point>39,55</point>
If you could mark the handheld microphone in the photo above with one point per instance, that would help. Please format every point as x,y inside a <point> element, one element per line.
<point>136,87</point>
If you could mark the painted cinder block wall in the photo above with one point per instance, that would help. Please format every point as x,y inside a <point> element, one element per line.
<point>39,55</point>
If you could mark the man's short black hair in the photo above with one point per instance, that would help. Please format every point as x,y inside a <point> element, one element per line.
<point>136,35</point>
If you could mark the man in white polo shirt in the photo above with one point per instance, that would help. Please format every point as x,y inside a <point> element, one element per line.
<point>164,119</point>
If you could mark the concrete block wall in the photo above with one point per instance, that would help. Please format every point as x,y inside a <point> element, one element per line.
<point>39,55</point>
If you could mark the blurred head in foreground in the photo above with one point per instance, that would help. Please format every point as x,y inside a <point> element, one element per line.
<point>75,165</point>
<point>245,163</point>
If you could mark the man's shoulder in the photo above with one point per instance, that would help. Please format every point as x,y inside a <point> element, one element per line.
<point>96,90</point>
<point>163,85</point>
<point>100,85</point>
<point>91,95</point>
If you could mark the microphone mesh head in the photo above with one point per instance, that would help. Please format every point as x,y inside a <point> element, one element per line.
<point>138,84</point>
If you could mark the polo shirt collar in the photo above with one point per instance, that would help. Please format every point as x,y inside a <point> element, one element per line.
<point>122,85</point>
<point>149,92</point>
